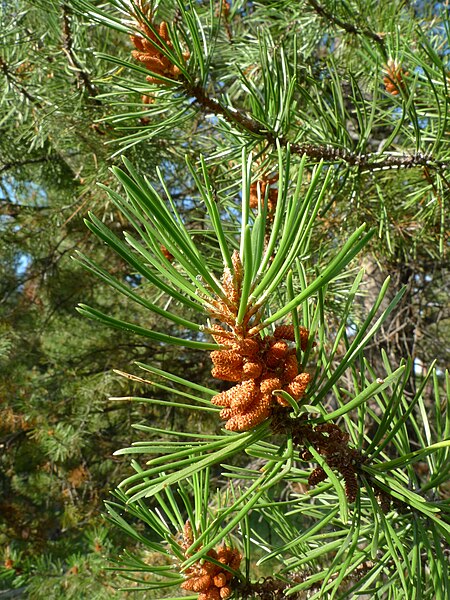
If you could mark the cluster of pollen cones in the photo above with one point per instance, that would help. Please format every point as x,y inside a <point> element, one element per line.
<point>272,197</point>
<point>394,78</point>
<point>148,52</point>
<point>260,366</point>
<point>210,580</point>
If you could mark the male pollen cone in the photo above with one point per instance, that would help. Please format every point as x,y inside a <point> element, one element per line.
<point>259,366</point>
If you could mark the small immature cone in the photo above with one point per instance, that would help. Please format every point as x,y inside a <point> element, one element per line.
<point>202,583</point>
<point>273,360</point>
<point>226,398</point>
<point>290,368</point>
<point>229,556</point>
<point>197,584</point>
<point>255,414</point>
<point>209,568</point>
<point>298,386</point>
<point>317,476</point>
<point>351,482</point>
<point>212,594</point>
<point>164,31</point>
<point>153,63</point>
<point>304,336</point>
<point>226,357</point>
<point>237,398</point>
<point>270,384</point>
<point>149,52</point>
<point>246,347</point>
<point>394,78</point>
<point>279,349</point>
<point>227,373</point>
<point>235,559</point>
<point>227,413</point>
<point>252,370</point>
<point>284,332</point>
<point>245,395</point>
<point>211,580</point>
<point>224,554</point>
<point>220,580</point>
<point>138,43</point>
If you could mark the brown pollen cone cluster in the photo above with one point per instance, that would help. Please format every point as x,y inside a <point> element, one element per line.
<point>332,443</point>
<point>394,78</point>
<point>170,257</point>
<point>210,580</point>
<point>148,51</point>
<point>257,365</point>
<point>272,198</point>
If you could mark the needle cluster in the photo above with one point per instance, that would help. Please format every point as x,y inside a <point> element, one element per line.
<point>212,581</point>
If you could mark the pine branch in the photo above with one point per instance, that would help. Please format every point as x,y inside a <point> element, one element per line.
<point>371,161</point>
<point>272,589</point>
<point>13,209</point>
<point>22,163</point>
<point>81,74</point>
<point>12,593</point>
<point>348,27</point>
<point>12,80</point>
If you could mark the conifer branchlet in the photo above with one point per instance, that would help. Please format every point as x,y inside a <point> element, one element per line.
<point>258,365</point>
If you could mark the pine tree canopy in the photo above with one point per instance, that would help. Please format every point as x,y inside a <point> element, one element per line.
<point>224,317</point>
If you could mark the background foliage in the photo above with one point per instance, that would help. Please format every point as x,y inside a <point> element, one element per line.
<point>260,74</point>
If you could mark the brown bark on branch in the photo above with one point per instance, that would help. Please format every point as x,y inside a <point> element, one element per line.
<point>13,81</point>
<point>82,76</point>
<point>370,162</point>
<point>348,27</point>
<point>22,163</point>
